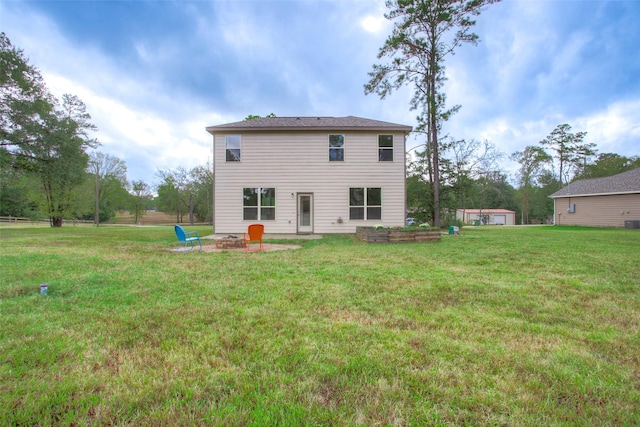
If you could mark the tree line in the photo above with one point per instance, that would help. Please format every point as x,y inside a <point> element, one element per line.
<point>472,175</point>
<point>50,166</point>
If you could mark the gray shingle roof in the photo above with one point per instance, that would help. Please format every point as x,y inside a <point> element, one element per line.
<point>626,182</point>
<point>309,123</point>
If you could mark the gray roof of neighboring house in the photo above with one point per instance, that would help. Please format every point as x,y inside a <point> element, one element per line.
<point>626,182</point>
<point>308,123</point>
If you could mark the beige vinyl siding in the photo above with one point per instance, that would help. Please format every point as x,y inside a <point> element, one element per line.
<point>598,211</point>
<point>298,162</point>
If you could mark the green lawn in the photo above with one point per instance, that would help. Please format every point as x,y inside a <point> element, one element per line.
<point>502,326</point>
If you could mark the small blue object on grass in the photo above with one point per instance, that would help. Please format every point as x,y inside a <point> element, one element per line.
<point>187,239</point>
<point>43,289</point>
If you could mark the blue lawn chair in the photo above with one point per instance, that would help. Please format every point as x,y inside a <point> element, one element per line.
<point>187,239</point>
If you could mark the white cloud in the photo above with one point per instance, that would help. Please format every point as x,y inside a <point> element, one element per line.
<point>148,126</point>
<point>373,24</point>
<point>290,58</point>
<point>147,139</point>
<point>615,129</point>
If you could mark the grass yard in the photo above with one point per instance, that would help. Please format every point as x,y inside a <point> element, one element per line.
<point>502,326</point>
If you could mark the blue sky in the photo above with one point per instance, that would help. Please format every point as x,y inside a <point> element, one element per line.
<point>154,74</point>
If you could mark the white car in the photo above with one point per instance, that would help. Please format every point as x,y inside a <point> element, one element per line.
<point>411,221</point>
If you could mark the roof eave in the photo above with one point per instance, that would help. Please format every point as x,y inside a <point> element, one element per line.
<point>214,129</point>
<point>560,196</point>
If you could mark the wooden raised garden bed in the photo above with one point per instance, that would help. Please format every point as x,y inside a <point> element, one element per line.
<point>369,234</point>
<point>428,235</point>
<point>396,235</point>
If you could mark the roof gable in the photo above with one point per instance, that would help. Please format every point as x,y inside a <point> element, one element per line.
<point>309,123</point>
<point>626,182</point>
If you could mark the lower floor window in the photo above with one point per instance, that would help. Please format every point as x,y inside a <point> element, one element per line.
<point>259,204</point>
<point>365,203</point>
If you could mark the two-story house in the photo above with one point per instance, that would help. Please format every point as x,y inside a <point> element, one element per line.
<point>308,174</point>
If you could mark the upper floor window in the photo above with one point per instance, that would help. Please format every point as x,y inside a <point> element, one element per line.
<point>385,148</point>
<point>365,203</point>
<point>259,204</point>
<point>336,148</point>
<point>232,148</point>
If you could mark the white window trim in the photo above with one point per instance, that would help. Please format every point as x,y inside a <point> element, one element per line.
<point>344,144</point>
<point>365,206</point>
<point>259,206</point>
<point>226,148</point>
<point>392,148</point>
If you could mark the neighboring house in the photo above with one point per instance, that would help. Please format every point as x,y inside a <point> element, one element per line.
<point>308,174</point>
<point>600,202</point>
<point>486,216</point>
